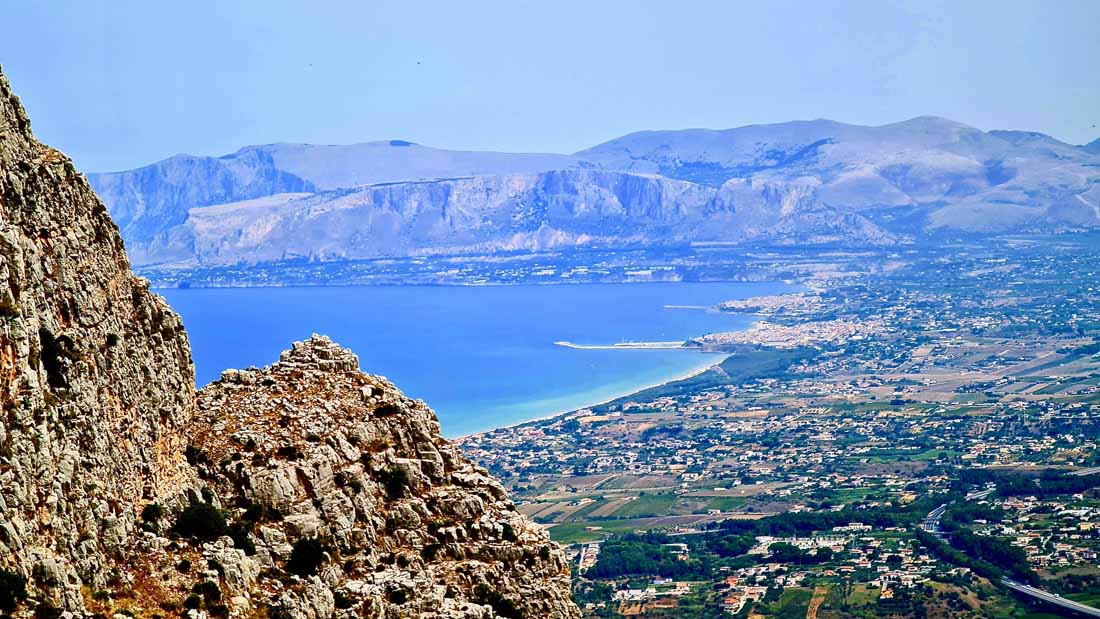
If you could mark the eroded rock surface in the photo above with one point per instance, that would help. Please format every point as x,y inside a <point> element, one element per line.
<point>311,448</point>
<point>97,380</point>
<point>305,489</point>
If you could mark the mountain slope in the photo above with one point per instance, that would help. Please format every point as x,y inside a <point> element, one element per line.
<point>804,181</point>
<point>306,490</point>
<point>963,178</point>
<point>524,212</point>
<point>152,198</point>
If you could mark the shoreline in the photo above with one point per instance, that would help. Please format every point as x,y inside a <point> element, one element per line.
<point>601,402</point>
<point>627,346</point>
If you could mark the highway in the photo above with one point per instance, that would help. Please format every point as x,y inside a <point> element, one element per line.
<point>975,496</point>
<point>1089,471</point>
<point>931,522</point>
<point>1050,598</point>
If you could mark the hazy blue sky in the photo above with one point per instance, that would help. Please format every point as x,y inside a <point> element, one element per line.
<point>118,84</point>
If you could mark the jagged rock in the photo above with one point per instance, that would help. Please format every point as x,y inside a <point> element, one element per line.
<point>374,481</point>
<point>305,489</point>
<point>97,377</point>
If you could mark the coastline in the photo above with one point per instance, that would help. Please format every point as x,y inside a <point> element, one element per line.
<point>599,402</point>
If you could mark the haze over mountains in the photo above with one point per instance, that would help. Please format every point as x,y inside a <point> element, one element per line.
<point>805,182</point>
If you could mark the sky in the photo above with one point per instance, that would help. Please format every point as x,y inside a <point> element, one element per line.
<point>118,84</point>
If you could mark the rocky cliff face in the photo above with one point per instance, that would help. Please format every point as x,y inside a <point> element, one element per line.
<point>521,212</point>
<point>97,377</point>
<point>307,489</point>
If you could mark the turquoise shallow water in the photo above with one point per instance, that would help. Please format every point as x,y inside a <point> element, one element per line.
<point>482,357</point>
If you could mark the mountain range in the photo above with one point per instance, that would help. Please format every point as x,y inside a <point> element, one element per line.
<point>796,182</point>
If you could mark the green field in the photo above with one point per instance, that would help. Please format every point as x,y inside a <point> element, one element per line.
<point>647,505</point>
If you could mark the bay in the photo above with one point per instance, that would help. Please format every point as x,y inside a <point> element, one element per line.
<point>481,356</point>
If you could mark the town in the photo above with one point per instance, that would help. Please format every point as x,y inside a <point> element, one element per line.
<point>899,441</point>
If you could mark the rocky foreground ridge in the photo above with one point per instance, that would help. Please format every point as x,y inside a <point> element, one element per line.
<point>305,489</point>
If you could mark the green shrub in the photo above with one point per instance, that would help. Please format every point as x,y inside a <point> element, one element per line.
<point>396,481</point>
<point>152,513</point>
<point>202,522</point>
<point>192,601</point>
<point>209,591</point>
<point>45,610</point>
<point>13,590</point>
<point>239,531</point>
<point>341,600</point>
<point>306,557</point>
<point>431,551</point>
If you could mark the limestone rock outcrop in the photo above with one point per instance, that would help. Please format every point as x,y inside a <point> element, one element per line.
<point>97,380</point>
<point>305,489</point>
<point>310,448</point>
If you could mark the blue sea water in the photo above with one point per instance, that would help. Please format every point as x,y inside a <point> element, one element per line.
<point>482,357</point>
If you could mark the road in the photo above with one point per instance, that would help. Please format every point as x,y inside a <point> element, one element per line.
<point>931,522</point>
<point>1089,471</point>
<point>975,496</point>
<point>1051,598</point>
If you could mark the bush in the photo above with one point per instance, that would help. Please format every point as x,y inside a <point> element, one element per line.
<point>193,601</point>
<point>306,557</point>
<point>152,513</point>
<point>239,531</point>
<point>209,591</point>
<point>45,610</point>
<point>341,600</point>
<point>202,522</point>
<point>13,590</point>
<point>431,551</point>
<point>396,481</point>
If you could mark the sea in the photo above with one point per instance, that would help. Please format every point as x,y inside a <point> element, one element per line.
<point>481,356</point>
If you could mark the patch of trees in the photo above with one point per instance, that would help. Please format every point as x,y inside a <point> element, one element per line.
<point>804,523</point>
<point>989,557</point>
<point>966,513</point>
<point>789,553</point>
<point>731,545</point>
<point>641,554</point>
<point>1047,485</point>
<point>998,551</point>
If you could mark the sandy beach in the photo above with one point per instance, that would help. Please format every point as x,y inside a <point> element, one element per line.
<point>719,357</point>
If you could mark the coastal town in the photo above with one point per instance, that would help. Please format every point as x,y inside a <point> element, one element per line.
<point>892,443</point>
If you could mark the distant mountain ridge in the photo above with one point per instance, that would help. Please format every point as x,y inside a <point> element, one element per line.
<point>801,181</point>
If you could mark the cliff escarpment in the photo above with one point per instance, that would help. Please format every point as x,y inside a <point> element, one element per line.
<point>97,381</point>
<point>305,489</point>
